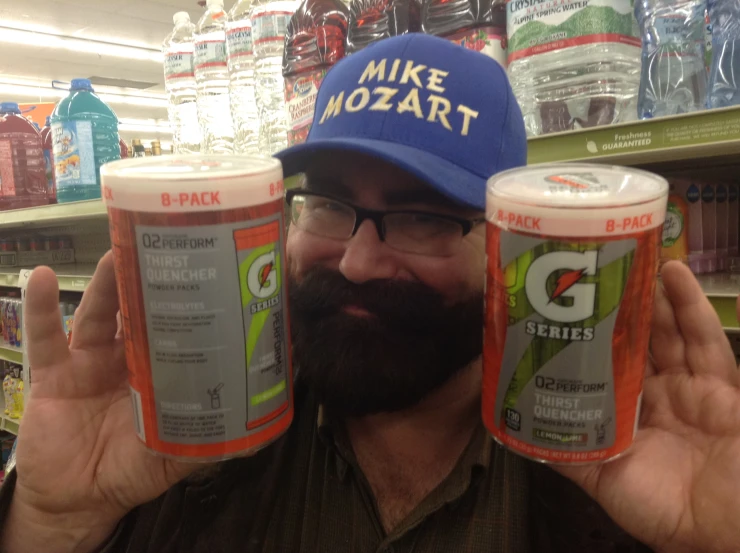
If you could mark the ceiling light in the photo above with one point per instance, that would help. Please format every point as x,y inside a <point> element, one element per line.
<point>157,129</point>
<point>36,91</point>
<point>79,45</point>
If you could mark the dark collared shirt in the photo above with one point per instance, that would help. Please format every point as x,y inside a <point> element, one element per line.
<point>306,494</point>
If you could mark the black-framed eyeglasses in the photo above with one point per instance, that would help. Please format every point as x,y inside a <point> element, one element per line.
<point>417,232</point>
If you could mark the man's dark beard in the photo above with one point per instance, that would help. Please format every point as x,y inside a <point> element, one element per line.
<point>410,345</point>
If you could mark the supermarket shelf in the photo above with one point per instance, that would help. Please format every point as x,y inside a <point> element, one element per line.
<point>12,354</point>
<point>704,134</point>
<point>722,290</point>
<point>8,424</point>
<point>72,278</point>
<point>53,214</point>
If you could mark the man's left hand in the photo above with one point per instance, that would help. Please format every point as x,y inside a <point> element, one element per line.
<point>677,489</point>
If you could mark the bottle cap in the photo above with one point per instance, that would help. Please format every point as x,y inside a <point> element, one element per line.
<point>9,107</point>
<point>181,17</point>
<point>81,84</point>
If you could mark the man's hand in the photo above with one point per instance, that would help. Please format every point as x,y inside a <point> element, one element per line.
<point>80,465</point>
<point>677,488</point>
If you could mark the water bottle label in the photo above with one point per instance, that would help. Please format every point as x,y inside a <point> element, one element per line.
<point>210,53</point>
<point>270,26</point>
<point>300,97</point>
<point>178,65</point>
<point>486,40</point>
<point>536,27</point>
<point>239,41</point>
<point>675,35</point>
<point>7,178</point>
<point>74,153</point>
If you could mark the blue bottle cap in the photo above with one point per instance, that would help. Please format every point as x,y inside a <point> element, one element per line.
<point>81,84</point>
<point>10,107</point>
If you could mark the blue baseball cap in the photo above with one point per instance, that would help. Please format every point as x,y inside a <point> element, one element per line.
<point>439,111</point>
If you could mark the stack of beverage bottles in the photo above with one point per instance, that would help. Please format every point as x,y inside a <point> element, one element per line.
<point>61,163</point>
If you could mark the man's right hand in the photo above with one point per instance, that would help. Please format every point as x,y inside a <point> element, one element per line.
<point>80,465</point>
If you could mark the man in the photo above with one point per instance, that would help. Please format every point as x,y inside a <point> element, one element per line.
<point>386,452</point>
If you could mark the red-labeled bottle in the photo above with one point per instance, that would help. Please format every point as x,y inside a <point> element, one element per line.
<point>314,41</point>
<point>22,166</point>
<point>374,20</point>
<point>475,24</point>
<point>124,148</point>
<point>51,183</point>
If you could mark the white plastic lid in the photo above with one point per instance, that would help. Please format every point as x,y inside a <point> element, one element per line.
<point>577,200</point>
<point>189,183</point>
<point>215,3</point>
<point>180,18</point>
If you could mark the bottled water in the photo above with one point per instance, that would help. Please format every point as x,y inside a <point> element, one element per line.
<point>269,22</point>
<point>373,20</point>
<point>314,41</point>
<point>179,81</point>
<point>674,75</point>
<point>212,79</point>
<point>475,24</point>
<point>575,64</point>
<point>724,80</point>
<point>241,72</point>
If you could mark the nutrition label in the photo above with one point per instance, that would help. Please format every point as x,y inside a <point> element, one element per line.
<point>215,328</point>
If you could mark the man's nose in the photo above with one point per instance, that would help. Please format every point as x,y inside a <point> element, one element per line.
<point>367,257</point>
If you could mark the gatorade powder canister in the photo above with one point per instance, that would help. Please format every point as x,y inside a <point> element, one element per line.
<point>573,254</point>
<point>198,245</point>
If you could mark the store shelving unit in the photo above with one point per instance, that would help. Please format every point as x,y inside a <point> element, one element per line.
<point>12,354</point>
<point>705,141</point>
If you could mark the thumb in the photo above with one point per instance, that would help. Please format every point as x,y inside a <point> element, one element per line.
<point>47,342</point>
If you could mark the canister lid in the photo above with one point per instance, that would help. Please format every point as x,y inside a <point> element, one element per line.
<point>578,185</point>
<point>577,199</point>
<point>184,183</point>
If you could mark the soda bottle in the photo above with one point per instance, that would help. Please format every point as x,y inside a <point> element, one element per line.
<point>269,21</point>
<point>674,75</point>
<point>475,24</point>
<point>51,185</point>
<point>373,20</point>
<point>212,78</point>
<point>724,78</point>
<point>179,81</point>
<point>78,151</point>
<point>314,41</point>
<point>240,50</point>
<point>22,166</point>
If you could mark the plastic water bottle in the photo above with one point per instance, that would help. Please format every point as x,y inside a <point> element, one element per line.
<point>179,81</point>
<point>475,24</point>
<point>574,64</point>
<point>314,41</point>
<point>22,167</point>
<point>724,79</point>
<point>674,75</point>
<point>48,145</point>
<point>373,20</point>
<point>212,78</point>
<point>269,21</point>
<point>84,131</point>
<point>240,53</point>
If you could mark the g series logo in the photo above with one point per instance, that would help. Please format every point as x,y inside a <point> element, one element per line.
<point>572,268</point>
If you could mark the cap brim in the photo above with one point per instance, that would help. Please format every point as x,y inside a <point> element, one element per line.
<point>458,184</point>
